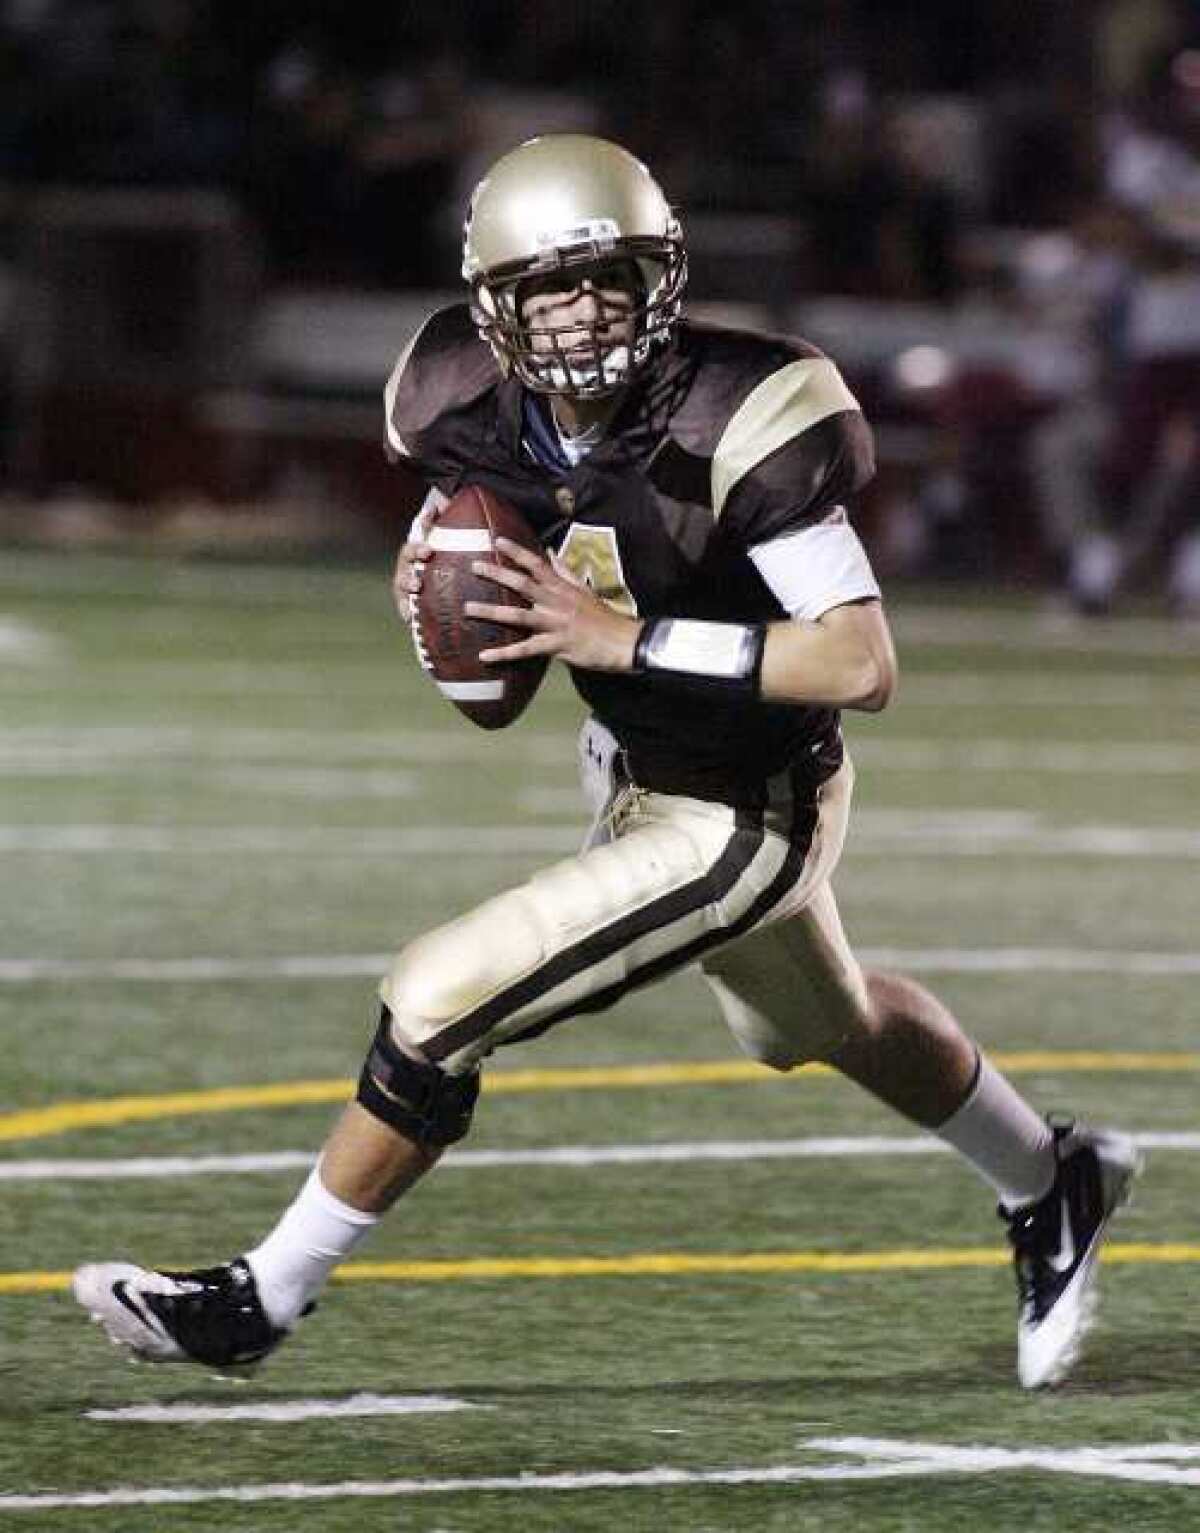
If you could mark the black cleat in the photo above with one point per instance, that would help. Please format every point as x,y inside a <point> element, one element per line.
<point>1055,1245</point>
<point>212,1316</point>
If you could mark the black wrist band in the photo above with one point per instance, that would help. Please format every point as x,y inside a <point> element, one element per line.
<point>702,656</point>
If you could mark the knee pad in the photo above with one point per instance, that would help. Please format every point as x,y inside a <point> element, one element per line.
<point>418,1100</point>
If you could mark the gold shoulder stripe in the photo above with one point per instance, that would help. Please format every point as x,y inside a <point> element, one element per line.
<point>780,408</point>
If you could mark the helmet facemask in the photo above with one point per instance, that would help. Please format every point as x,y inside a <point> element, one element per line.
<point>582,358</point>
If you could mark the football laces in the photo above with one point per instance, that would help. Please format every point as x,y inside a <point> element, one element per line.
<point>414,623</point>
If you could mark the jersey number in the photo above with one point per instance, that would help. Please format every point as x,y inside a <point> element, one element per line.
<point>592,556</point>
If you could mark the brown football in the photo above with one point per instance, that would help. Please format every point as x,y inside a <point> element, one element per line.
<point>448,642</point>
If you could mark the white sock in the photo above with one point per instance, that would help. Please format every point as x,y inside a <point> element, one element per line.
<point>998,1132</point>
<point>293,1262</point>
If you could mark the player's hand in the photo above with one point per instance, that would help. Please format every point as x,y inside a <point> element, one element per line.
<point>411,560</point>
<point>564,618</point>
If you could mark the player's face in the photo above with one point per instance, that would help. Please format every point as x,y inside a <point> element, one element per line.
<point>582,320</point>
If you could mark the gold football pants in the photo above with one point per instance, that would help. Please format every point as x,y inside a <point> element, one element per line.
<point>676,881</point>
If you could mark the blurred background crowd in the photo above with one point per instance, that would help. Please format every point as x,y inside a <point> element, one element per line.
<point>218,221</point>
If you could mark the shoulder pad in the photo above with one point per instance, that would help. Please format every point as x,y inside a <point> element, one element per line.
<point>749,353</point>
<point>444,367</point>
<point>751,393</point>
<point>781,408</point>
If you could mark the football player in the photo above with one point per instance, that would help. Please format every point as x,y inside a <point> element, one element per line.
<point>716,610</point>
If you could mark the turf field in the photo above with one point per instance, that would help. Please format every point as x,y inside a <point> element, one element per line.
<point>659,1288</point>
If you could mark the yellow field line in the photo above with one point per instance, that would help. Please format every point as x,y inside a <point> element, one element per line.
<point>671,1264</point>
<point>63,1117</point>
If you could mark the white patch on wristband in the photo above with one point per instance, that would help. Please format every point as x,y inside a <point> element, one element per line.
<point>699,648</point>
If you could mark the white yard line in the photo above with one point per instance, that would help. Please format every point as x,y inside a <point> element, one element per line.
<point>241,678</point>
<point>320,966</point>
<point>856,1458</point>
<point>17,971</point>
<point>287,1410</point>
<point>1071,758</point>
<point>963,833</point>
<point>1042,632</point>
<point>401,745</point>
<point>314,782</point>
<point>1058,690</point>
<point>442,842</point>
<point>992,690</point>
<point>326,767</point>
<point>273,779</point>
<point>1030,960</point>
<point>144,746</point>
<point>394,770</point>
<point>149,1167</point>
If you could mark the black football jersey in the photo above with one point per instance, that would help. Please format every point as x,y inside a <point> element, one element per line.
<point>733,439</point>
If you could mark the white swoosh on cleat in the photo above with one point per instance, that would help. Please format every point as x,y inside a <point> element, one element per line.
<point>1065,1258</point>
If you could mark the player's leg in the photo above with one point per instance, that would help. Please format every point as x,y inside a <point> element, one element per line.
<point>234,1314</point>
<point>1059,1184</point>
<point>793,991</point>
<point>574,938</point>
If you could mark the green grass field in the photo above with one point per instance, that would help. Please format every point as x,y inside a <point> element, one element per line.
<point>227,794</point>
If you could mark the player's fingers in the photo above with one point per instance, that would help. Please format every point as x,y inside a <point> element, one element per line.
<point>525,557</point>
<point>419,527</point>
<point>511,617</point>
<point>408,574</point>
<point>501,575</point>
<point>523,649</point>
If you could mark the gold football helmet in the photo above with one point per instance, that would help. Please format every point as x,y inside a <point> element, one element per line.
<point>564,203</point>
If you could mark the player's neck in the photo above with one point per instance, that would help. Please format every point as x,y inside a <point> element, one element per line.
<point>576,417</point>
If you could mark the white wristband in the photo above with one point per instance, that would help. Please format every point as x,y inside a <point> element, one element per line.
<point>725,656</point>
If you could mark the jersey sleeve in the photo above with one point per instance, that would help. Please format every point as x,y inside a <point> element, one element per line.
<point>444,368</point>
<point>796,448</point>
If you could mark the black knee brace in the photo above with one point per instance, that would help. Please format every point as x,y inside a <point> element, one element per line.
<point>418,1100</point>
